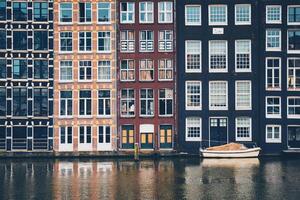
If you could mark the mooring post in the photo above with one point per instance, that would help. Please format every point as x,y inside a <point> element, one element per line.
<point>136,151</point>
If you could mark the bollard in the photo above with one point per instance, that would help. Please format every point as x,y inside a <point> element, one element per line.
<point>136,151</point>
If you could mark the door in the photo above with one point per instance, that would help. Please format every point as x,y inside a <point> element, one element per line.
<point>66,138</point>
<point>85,138</point>
<point>127,137</point>
<point>104,138</point>
<point>19,138</point>
<point>218,131</point>
<point>294,137</point>
<point>147,140</point>
<point>165,135</point>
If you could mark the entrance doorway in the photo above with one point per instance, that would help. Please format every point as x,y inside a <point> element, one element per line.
<point>294,136</point>
<point>218,131</point>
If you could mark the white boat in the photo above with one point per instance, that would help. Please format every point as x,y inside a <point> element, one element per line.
<point>243,153</point>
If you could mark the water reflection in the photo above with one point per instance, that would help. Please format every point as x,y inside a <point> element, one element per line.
<point>150,179</point>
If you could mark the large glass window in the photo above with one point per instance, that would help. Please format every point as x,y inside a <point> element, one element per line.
<point>66,41</point>
<point>243,95</point>
<point>85,41</point>
<point>243,55</point>
<point>85,70</point>
<point>41,69</point>
<point>2,68</point>
<point>66,103</point>
<point>273,134</point>
<point>218,95</point>
<point>146,41</point>
<point>65,12</point>
<point>273,40</point>
<point>242,14</point>
<point>146,70</point>
<point>273,107</point>
<point>104,134</point>
<point>20,40</point>
<point>66,135</point>
<point>293,107</point>
<point>2,9</point>
<point>40,11</point>
<point>40,102</point>
<point>85,102</point>
<point>127,43</point>
<point>273,14</point>
<point>40,138</point>
<point>193,56</point>
<point>217,14</point>
<point>218,56</point>
<point>104,71</point>
<point>104,105</point>
<point>104,12</point>
<point>19,11</point>
<point>165,102</point>
<point>85,12</point>
<point>147,102</point>
<point>192,15</point>
<point>66,71</point>
<point>293,73</point>
<point>127,70</point>
<point>85,134</point>
<point>146,12</point>
<point>104,41</point>
<point>165,70</point>
<point>19,69</point>
<point>193,129</point>
<point>127,12</point>
<point>294,14</point>
<point>165,42</point>
<point>273,73</point>
<point>19,101</point>
<point>165,12</point>
<point>2,39</point>
<point>127,103</point>
<point>243,129</point>
<point>193,95</point>
<point>294,41</point>
<point>40,40</point>
<point>3,101</point>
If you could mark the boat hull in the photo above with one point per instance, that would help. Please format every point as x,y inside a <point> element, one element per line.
<point>247,153</point>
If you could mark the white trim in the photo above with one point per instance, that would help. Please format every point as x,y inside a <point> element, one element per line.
<point>250,56</point>
<point>66,146</point>
<point>85,104</point>
<point>289,116</point>
<point>147,21</point>
<point>59,43</point>
<point>226,96</point>
<point>165,99</point>
<point>291,23</point>
<point>165,12</point>
<point>104,146</point>
<point>126,12</point>
<point>277,116</point>
<point>209,55</point>
<point>127,99</point>
<point>85,146</point>
<point>104,103</point>
<point>85,23</point>
<point>147,99</point>
<point>273,21</point>
<point>59,104</point>
<point>185,15</point>
<point>186,95</point>
<point>85,41</point>
<point>217,23</point>
<point>59,10</point>
<point>85,71</point>
<point>292,51</point>
<point>266,40</point>
<point>294,73</point>
<point>59,72</point>
<point>218,117</point>
<point>266,74</point>
<point>193,139</point>
<point>236,95</point>
<point>250,129</point>
<point>110,42</point>
<point>97,13</point>
<point>186,48</point>
<point>235,15</point>
<point>272,140</point>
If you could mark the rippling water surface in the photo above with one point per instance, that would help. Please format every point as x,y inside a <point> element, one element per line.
<point>192,178</point>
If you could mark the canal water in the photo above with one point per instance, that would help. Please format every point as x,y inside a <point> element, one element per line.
<point>188,178</point>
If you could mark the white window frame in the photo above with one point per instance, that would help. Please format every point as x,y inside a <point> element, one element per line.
<point>85,146</point>
<point>85,115</point>
<point>105,38</point>
<point>195,83</point>
<point>105,115</point>
<point>128,43</point>
<point>72,8</point>
<point>148,100</point>
<point>106,66</point>
<point>243,52</point>
<point>165,12</point>
<point>294,69</point>
<point>278,116</point>
<point>109,9</point>
<point>151,70</point>
<point>60,73</point>
<point>273,73</point>
<point>249,119</point>
<point>60,51</point>
<point>164,44</point>
<point>165,99</point>
<point>85,22</point>
<point>237,107</point>
<point>66,104</point>
<point>236,15</point>
<point>210,23</point>
<point>296,116</point>
<point>85,38</point>
<point>146,12</point>
<point>220,70</point>
<point>273,48</point>
<point>288,50</point>
<point>197,123</point>
<point>291,23</point>
<point>85,66</point>
<point>193,53</point>
<point>147,42</point>
<point>273,140</point>
<point>196,23</point>
<point>127,13</point>
<point>127,70</point>
<point>226,96</point>
<point>165,69</point>
<point>280,14</point>
<point>66,146</point>
<point>127,100</point>
<point>104,146</point>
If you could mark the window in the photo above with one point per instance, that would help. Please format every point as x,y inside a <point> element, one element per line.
<point>127,43</point>
<point>85,134</point>
<point>273,134</point>
<point>218,56</point>
<point>243,55</point>
<point>3,100</point>
<point>192,15</point>
<point>294,41</point>
<point>293,73</point>
<point>165,12</point>
<point>40,102</point>
<point>193,129</point>
<point>242,14</point>
<point>273,40</point>
<point>217,14</point>
<point>65,13</point>
<point>66,41</point>
<point>165,43</point>
<point>41,69</point>
<point>273,107</point>
<point>40,11</point>
<point>85,12</point>
<point>20,40</point>
<point>218,98</point>
<point>273,14</point>
<point>165,102</point>
<point>192,56</point>
<point>66,103</point>
<point>66,135</point>
<point>104,42</point>
<point>3,39</point>
<point>127,103</point>
<point>243,95</point>
<point>19,69</point>
<point>273,73</point>
<point>19,11</point>
<point>2,69</point>
<point>293,107</point>
<point>104,134</point>
<point>85,70</point>
<point>19,102</point>
<point>104,12</point>
<point>66,71</point>
<point>40,138</point>
<point>193,95</point>
<point>104,71</point>
<point>146,12</point>
<point>147,102</point>
<point>294,14</point>
<point>85,102</point>
<point>127,12</point>
<point>146,70</point>
<point>165,70</point>
<point>2,9</point>
<point>104,104</point>
<point>243,129</point>
<point>127,70</point>
<point>146,41</point>
<point>40,40</point>
<point>85,41</point>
